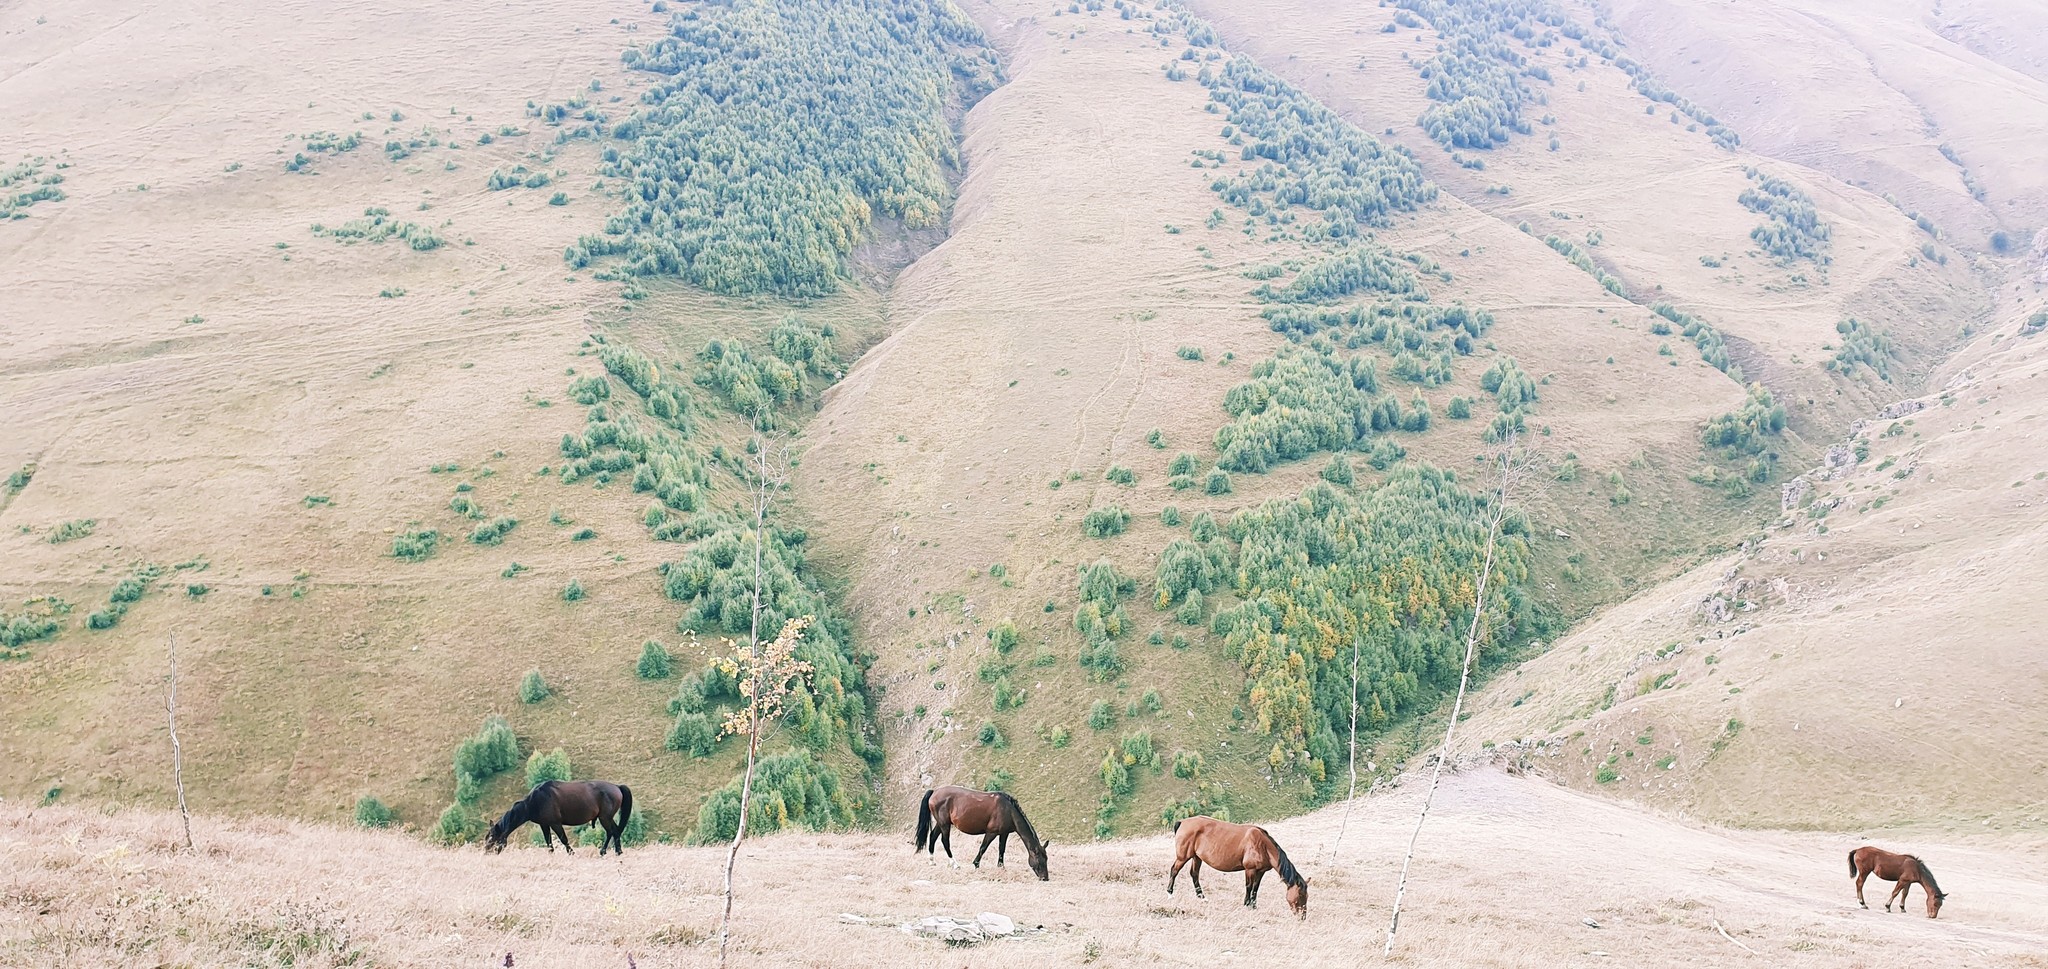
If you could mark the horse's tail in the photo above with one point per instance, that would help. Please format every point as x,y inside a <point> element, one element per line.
<point>1176,826</point>
<point>924,821</point>
<point>625,806</point>
<point>1852,862</point>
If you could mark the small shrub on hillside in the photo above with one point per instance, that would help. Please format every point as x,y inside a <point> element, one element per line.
<point>1218,482</point>
<point>455,825</point>
<point>1187,765</point>
<point>492,751</point>
<point>551,766</point>
<point>1119,474</point>
<point>494,531</point>
<point>654,661</point>
<point>1003,637</point>
<point>991,736</point>
<point>1459,408</point>
<point>371,813</point>
<point>693,734</point>
<point>1338,471</point>
<point>532,689</point>
<point>1101,716</point>
<point>415,544</point>
<point>1105,522</point>
<point>1169,516</point>
<point>76,528</point>
<point>573,592</point>
<point>1189,353</point>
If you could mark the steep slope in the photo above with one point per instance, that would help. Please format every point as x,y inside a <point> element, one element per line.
<point>81,885</point>
<point>1803,718</point>
<point>1041,347</point>
<point>1934,102</point>
<point>396,442</point>
<point>1874,661</point>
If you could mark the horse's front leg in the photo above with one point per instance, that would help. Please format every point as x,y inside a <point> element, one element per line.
<point>548,837</point>
<point>986,840</point>
<point>1251,886</point>
<point>1905,889</point>
<point>1895,894</point>
<point>1002,847</point>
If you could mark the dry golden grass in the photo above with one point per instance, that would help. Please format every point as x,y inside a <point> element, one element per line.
<point>1506,871</point>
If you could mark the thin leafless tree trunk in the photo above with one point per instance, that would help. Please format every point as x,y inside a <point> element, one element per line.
<point>177,749</point>
<point>763,486</point>
<point>1500,508</point>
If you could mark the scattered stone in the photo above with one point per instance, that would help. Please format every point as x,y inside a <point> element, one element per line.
<point>1901,409</point>
<point>947,929</point>
<point>1795,491</point>
<point>996,926</point>
<point>1590,923</point>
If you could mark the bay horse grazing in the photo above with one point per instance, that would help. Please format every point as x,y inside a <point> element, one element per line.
<point>556,804</point>
<point>992,814</point>
<point>1906,870</point>
<point>1235,847</point>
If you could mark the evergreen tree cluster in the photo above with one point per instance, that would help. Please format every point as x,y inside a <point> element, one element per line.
<point>1704,337</point>
<point>1863,345</point>
<point>1475,76</point>
<point>1392,569</point>
<point>1578,256</point>
<point>781,129</point>
<point>23,184</point>
<point>1747,431</point>
<point>1307,156</point>
<point>1792,228</point>
<point>377,225</point>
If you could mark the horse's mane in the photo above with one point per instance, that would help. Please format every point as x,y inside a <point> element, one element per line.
<point>522,811</point>
<point>1926,875</point>
<point>1016,814</point>
<point>1288,875</point>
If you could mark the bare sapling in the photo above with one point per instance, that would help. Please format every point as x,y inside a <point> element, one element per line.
<point>1508,474</point>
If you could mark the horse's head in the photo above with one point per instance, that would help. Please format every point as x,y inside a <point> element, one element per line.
<point>494,842</point>
<point>1297,897</point>
<point>1934,900</point>
<point>1037,860</point>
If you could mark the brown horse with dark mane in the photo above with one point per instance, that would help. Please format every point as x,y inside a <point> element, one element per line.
<point>992,814</point>
<point>556,804</point>
<point>1235,847</point>
<point>1906,870</point>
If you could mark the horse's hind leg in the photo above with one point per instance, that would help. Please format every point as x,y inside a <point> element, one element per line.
<point>1174,873</point>
<point>985,840</point>
<point>1860,876</point>
<point>563,833</point>
<point>1195,875</point>
<point>946,837</point>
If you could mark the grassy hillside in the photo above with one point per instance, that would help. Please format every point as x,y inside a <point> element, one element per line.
<point>266,892</point>
<point>1129,376</point>
<point>377,472</point>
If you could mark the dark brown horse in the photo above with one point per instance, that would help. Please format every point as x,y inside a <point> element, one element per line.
<point>993,815</point>
<point>1906,870</point>
<point>1235,847</point>
<point>556,804</point>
